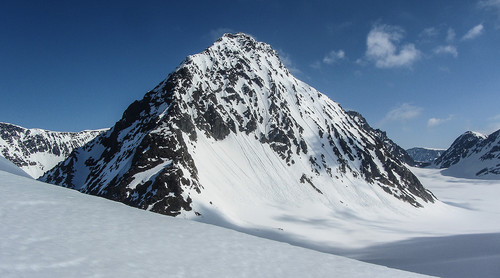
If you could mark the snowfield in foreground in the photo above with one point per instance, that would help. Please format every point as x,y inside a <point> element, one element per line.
<point>459,236</point>
<point>49,231</point>
<point>7,166</point>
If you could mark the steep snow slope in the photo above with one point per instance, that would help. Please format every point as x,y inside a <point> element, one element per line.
<point>36,150</point>
<point>472,155</point>
<point>230,129</point>
<point>9,167</point>
<point>49,231</point>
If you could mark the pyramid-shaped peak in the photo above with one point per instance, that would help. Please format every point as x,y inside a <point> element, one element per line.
<point>232,120</point>
<point>236,53</point>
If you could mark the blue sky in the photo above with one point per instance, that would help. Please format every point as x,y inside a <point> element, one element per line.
<point>424,71</point>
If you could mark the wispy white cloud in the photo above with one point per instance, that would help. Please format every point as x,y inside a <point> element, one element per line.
<point>446,50</point>
<point>384,49</point>
<point>361,61</point>
<point>429,33</point>
<point>492,5</point>
<point>450,35</point>
<point>402,113</point>
<point>433,122</point>
<point>334,56</point>
<point>473,33</point>
<point>331,58</point>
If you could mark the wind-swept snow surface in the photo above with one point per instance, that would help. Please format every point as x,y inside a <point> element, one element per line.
<point>49,231</point>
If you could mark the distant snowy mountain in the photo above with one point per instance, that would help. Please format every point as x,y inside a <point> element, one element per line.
<point>459,149</point>
<point>389,145</point>
<point>36,150</point>
<point>425,155</point>
<point>472,155</point>
<point>231,135</point>
<point>9,167</point>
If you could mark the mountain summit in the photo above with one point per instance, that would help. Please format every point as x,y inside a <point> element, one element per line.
<point>230,132</point>
<point>472,155</point>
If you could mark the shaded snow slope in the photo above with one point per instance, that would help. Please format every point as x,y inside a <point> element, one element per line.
<point>7,166</point>
<point>458,256</point>
<point>232,135</point>
<point>49,231</point>
<point>469,243</point>
<point>36,150</point>
<point>466,207</point>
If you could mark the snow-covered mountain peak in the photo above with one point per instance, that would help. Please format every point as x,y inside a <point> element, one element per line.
<point>230,128</point>
<point>241,52</point>
<point>241,42</point>
<point>472,155</point>
<point>37,150</point>
<point>471,136</point>
<point>476,134</point>
<point>459,149</point>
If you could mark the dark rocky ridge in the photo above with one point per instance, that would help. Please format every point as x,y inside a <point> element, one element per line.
<point>389,145</point>
<point>473,152</point>
<point>459,149</point>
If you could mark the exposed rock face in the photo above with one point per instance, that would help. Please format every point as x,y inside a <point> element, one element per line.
<point>472,155</point>
<point>231,121</point>
<point>460,148</point>
<point>36,150</point>
<point>424,155</point>
<point>389,145</point>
